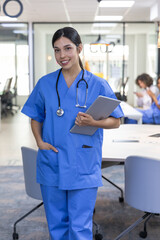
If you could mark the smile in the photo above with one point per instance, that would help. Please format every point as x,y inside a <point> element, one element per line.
<point>64,62</point>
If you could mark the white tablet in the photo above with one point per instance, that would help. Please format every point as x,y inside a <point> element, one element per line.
<point>100,109</point>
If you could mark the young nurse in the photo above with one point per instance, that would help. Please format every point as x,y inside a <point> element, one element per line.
<point>68,164</point>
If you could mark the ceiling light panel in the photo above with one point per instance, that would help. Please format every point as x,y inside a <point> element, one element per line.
<point>13,25</point>
<point>104,25</point>
<point>7,19</point>
<point>108,18</point>
<point>116,4</point>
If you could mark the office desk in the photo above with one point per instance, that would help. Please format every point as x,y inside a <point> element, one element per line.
<point>131,112</point>
<point>119,143</point>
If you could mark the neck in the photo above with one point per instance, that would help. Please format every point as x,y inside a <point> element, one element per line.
<point>72,71</point>
<point>71,74</point>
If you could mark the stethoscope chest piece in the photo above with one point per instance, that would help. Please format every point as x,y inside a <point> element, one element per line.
<point>60,112</point>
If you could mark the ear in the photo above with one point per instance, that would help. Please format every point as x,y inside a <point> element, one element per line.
<point>80,47</point>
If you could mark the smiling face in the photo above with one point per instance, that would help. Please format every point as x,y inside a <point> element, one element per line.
<point>67,53</point>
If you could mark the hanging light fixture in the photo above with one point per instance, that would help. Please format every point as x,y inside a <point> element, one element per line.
<point>102,44</point>
<point>158,44</point>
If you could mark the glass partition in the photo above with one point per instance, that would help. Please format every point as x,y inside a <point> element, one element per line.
<point>134,52</point>
<point>141,41</point>
<point>14,56</point>
<point>99,62</point>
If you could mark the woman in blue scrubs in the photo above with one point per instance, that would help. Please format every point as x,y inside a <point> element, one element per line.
<point>68,165</point>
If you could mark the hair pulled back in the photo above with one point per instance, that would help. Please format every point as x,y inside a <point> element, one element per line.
<point>69,33</point>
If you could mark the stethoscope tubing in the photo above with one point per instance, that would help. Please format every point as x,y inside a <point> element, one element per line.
<point>60,111</point>
<point>59,101</point>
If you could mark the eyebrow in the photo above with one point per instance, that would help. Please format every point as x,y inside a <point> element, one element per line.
<point>68,45</point>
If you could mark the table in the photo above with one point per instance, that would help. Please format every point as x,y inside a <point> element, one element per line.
<point>127,140</point>
<point>130,139</point>
<point>131,112</point>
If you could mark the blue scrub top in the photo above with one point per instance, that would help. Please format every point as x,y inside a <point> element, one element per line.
<point>156,111</point>
<point>73,167</point>
<point>151,115</point>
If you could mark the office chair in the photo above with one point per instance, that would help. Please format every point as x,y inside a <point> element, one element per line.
<point>14,106</point>
<point>142,191</point>
<point>32,188</point>
<point>6,97</point>
<point>7,85</point>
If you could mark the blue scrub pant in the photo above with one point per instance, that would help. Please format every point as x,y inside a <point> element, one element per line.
<point>69,212</point>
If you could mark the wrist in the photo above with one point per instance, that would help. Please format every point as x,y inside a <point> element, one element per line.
<point>94,123</point>
<point>39,143</point>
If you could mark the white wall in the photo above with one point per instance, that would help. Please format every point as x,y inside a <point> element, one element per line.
<point>39,54</point>
<point>138,62</point>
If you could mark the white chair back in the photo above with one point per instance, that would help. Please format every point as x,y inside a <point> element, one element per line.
<point>142,183</point>
<point>29,157</point>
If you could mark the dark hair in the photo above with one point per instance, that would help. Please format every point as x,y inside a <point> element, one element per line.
<point>69,33</point>
<point>145,78</point>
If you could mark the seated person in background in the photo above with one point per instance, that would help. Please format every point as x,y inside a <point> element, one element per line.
<point>145,82</point>
<point>152,115</point>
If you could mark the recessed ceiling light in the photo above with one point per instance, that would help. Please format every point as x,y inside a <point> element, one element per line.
<point>108,18</point>
<point>7,19</point>
<point>108,25</point>
<point>116,4</point>
<point>20,32</point>
<point>13,25</point>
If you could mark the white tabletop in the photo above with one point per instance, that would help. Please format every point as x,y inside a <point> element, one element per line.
<point>131,139</point>
<point>131,112</point>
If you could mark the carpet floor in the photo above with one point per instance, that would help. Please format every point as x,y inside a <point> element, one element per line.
<point>111,215</point>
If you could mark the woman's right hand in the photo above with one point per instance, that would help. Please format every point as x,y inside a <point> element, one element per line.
<point>37,129</point>
<point>46,146</point>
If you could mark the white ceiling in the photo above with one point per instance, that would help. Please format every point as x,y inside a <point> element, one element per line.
<point>76,10</point>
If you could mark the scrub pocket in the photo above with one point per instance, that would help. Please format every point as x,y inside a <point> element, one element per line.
<point>86,160</point>
<point>47,160</point>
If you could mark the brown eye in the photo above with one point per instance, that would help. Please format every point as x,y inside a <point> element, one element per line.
<point>56,50</point>
<point>68,48</point>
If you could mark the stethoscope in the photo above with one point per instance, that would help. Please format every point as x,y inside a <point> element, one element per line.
<point>60,111</point>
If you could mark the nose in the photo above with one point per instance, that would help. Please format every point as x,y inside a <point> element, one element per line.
<point>62,54</point>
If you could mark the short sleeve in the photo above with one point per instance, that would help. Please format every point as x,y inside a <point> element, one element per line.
<point>107,91</point>
<point>35,104</point>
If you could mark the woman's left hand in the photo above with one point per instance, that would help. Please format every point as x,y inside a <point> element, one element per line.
<point>84,119</point>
